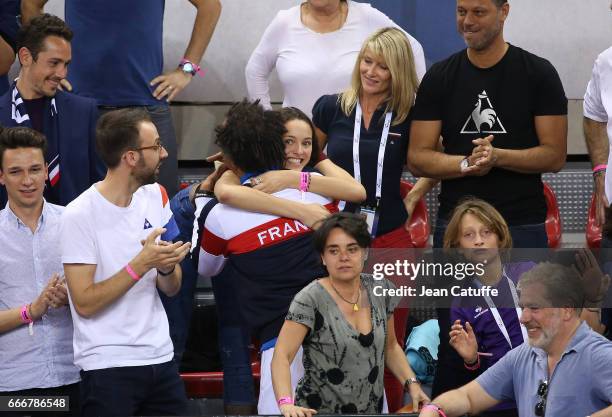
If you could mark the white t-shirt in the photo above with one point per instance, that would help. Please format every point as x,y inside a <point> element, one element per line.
<point>132,331</point>
<point>311,64</point>
<point>598,102</point>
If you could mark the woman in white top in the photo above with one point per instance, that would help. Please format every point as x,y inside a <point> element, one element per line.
<point>313,47</point>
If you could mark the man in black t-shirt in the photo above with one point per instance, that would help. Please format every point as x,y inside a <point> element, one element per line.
<point>502,115</point>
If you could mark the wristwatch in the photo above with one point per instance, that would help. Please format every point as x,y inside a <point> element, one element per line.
<point>190,68</point>
<point>464,164</point>
<point>409,382</point>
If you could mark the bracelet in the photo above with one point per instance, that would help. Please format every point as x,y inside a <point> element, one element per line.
<point>434,407</point>
<point>304,181</point>
<point>285,400</point>
<point>165,274</point>
<point>25,317</point>
<point>599,169</point>
<point>132,273</point>
<point>473,366</point>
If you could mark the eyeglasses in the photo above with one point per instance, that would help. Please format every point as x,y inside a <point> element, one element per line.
<point>540,408</point>
<point>158,147</point>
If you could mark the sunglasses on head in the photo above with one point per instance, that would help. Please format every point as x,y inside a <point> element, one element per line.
<point>540,407</point>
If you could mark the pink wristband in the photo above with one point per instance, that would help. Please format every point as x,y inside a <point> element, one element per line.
<point>285,400</point>
<point>132,273</point>
<point>435,408</point>
<point>474,366</point>
<point>303,182</point>
<point>25,318</point>
<point>600,167</point>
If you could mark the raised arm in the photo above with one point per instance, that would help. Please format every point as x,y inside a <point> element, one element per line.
<point>91,297</point>
<point>207,16</point>
<point>229,191</point>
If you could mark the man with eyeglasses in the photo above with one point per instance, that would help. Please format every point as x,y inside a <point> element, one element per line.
<point>115,261</point>
<point>563,370</point>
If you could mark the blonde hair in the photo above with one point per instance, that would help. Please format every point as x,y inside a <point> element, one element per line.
<point>486,213</point>
<point>393,46</point>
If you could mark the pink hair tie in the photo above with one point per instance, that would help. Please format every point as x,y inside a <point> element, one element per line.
<point>285,400</point>
<point>434,407</point>
<point>132,273</point>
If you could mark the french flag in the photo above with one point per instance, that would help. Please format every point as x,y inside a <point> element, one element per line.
<point>54,171</point>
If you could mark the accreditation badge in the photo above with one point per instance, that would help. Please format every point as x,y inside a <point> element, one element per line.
<point>371,214</point>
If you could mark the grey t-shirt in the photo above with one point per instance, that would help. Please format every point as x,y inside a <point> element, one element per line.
<point>343,369</point>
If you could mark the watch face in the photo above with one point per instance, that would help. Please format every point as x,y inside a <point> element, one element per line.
<point>188,67</point>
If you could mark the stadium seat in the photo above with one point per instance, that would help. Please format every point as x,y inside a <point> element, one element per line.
<point>419,224</point>
<point>553,218</point>
<point>210,384</point>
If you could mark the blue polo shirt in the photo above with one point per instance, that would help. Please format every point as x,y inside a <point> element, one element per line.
<point>329,117</point>
<point>581,383</point>
<point>116,50</point>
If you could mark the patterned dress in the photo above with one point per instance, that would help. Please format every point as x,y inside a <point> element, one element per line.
<point>343,369</point>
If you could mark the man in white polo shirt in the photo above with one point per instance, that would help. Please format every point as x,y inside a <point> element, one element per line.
<point>114,261</point>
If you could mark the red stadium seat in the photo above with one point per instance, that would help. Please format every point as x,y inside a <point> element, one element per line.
<point>419,224</point>
<point>210,384</point>
<point>593,232</point>
<point>553,218</point>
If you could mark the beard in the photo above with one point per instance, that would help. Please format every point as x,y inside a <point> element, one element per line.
<point>145,175</point>
<point>484,41</point>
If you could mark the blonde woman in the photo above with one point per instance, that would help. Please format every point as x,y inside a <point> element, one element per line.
<point>366,130</point>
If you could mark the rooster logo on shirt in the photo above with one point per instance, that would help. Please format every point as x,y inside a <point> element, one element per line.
<point>484,118</point>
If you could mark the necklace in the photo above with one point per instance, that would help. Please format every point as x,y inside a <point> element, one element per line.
<point>355,304</point>
<point>333,24</point>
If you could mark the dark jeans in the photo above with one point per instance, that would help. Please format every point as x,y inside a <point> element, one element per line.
<point>161,117</point>
<point>72,391</point>
<point>523,236</point>
<point>150,390</point>
<point>180,307</point>
<point>238,387</point>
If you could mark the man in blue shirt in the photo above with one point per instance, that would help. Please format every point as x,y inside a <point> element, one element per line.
<point>118,60</point>
<point>36,354</point>
<point>561,371</point>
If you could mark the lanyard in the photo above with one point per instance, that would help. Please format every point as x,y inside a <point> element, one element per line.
<point>497,316</point>
<point>381,149</point>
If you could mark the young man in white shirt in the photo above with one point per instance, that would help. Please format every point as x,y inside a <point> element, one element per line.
<point>114,262</point>
<point>36,356</point>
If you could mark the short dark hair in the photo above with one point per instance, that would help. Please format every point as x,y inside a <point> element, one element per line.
<point>21,137</point>
<point>293,113</point>
<point>500,3</point>
<point>33,35</point>
<point>117,132</point>
<point>352,224</point>
<point>562,285</point>
<point>252,137</point>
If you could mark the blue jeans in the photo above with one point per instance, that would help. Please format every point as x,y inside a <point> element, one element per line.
<point>161,118</point>
<point>523,236</point>
<point>149,390</point>
<point>180,307</point>
<point>238,387</point>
